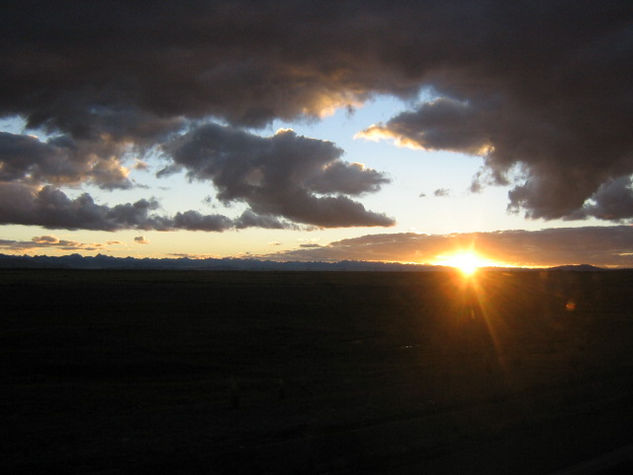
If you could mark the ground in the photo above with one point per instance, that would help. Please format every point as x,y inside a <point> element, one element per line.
<point>334,372</point>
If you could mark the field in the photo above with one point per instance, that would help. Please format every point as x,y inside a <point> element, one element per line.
<point>334,372</point>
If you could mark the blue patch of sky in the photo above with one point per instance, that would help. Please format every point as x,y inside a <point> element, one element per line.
<point>13,125</point>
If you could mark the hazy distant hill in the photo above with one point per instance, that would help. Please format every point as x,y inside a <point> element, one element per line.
<point>578,267</point>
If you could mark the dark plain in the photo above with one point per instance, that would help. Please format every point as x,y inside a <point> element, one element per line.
<point>315,372</point>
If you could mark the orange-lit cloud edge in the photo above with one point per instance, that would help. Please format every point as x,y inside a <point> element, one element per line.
<point>604,246</point>
<point>607,246</point>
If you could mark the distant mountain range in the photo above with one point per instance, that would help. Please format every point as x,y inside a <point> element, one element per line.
<point>100,261</point>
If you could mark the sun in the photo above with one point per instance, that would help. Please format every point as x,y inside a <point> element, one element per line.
<point>468,262</point>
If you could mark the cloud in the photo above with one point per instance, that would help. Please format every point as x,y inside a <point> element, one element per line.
<point>609,245</point>
<point>540,85</point>
<point>567,154</point>
<point>140,165</point>
<point>140,240</point>
<point>52,208</point>
<point>567,146</point>
<point>250,219</point>
<point>47,241</point>
<point>613,201</point>
<point>300,179</point>
<point>247,63</point>
<point>195,221</point>
<point>61,160</point>
<point>442,124</point>
<point>441,192</point>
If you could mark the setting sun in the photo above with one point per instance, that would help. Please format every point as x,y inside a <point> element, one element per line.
<point>467,262</point>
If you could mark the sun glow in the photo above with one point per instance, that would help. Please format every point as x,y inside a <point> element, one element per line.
<point>466,261</point>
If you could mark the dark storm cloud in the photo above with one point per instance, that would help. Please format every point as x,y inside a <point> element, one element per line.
<point>52,208</point>
<point>544,85</point>
<point>294,177</point>
<point>70,64</point>
<point>610,245</point>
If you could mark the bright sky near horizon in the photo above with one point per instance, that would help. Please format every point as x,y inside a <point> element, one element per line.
<point>378,143</point>
<point>409,198</point>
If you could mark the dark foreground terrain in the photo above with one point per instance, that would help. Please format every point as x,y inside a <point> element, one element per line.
<point>195,372</point>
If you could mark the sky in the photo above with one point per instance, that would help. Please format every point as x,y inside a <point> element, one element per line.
<point>294,130</point>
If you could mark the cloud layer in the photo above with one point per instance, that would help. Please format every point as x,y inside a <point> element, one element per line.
<point>48,242</point>
<point>601,246</point>
<point>286,175</point>
<point>52,208</point>
<point>542,86</point>
<point>61,161</point>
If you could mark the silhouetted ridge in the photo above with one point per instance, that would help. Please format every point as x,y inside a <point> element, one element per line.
<point>100,261</point>
<point>578,267</point>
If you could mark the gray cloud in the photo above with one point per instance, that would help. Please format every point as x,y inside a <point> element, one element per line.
<point>443,124</point>
<point>52,208</point>
<point>441,192</point>
<point>140,240</point>
<point>609,245</point>
<point>61,160</point>
<point>349,178</point>
<point>297,178</point>
<point>567,149</point>
<point>543,85</point>
<point>249,219</point>
<point>613,201</point>
<point>87,145</point>
<point>194,221</point>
